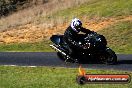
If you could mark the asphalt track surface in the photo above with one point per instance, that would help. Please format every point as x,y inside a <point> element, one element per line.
<point>51,59</point>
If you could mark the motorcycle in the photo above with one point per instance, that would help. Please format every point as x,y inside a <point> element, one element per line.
<point>93,47</point>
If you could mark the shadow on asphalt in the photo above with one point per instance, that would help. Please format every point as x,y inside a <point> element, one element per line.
<point>125,62</point>
<point>119,62</point>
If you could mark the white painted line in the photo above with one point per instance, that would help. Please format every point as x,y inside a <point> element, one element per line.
<point>20,66</point>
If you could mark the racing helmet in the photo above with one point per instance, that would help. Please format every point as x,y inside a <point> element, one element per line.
<point>76,24</point>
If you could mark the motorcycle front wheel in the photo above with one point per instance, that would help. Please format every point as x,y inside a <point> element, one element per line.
<point>110,57</point>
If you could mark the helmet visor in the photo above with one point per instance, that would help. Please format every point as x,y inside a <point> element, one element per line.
<point>78,27</point>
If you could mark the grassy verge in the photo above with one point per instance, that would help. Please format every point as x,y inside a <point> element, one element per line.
<point>98,8</point>
<point>50,77</point>
<point>119,37</point>
<point>27,47</point>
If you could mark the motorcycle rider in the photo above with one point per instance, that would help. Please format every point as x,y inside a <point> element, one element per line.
<point>71,35</point>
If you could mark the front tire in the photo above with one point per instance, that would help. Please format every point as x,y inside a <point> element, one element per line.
<point>111,57</point>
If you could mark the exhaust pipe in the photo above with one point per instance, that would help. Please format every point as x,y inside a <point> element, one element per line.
<point>54,47</point>
<point>67,56</point>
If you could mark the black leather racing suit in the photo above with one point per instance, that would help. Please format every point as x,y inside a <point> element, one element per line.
<point>71,37</point>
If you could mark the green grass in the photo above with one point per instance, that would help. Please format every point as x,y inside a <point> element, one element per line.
<point>50,77</point>
<point>98,8</point>
<point>119,37</point>
<point>27,47</point>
